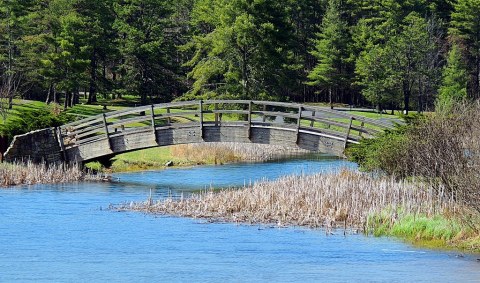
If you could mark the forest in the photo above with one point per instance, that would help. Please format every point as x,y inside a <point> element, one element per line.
<point>390,54</point>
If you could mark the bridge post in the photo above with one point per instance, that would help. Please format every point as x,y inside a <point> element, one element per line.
<point>313,121</point>
<point>249,126</point>
<point>264,118</point>
<point>299,119</point>
<point>153,124</point>
<point>169,120</point>
<point>348,133</point>
<point>106,130</point>
<point>58,130</point>
<point>216,114</point>
<point>201,117</point>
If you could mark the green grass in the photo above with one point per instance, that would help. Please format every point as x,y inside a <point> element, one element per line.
<point>22,106</point>
<point>151,158</point>
<point>437,231</point>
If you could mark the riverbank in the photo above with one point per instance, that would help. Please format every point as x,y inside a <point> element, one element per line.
<point>195,154</point>
<point>378,206</point>
<point>30,174</point>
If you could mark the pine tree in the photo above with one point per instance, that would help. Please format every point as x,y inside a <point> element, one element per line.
<point>454,83</point>
<point>146,48</point>
<point>465,25</point>
<point>242,49</point>
<point>332,52</point>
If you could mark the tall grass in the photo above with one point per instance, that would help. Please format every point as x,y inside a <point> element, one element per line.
<point>346,199</point>
<point>196,154</point>
<point>219,153</point>
<point>30,173</point>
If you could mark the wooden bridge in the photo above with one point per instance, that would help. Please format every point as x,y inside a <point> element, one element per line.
<point>244,121</point>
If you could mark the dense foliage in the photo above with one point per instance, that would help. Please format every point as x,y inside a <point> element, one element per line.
<point>385,53</point>
<point>441,149</point>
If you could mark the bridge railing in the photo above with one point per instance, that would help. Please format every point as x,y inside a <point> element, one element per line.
<point>294,117</point>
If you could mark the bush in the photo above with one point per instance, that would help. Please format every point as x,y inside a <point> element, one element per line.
<point>441,149</point>
<point>33,120</point>
<point>384,153</point>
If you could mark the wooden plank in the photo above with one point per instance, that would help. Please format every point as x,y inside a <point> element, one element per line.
<point>129,121</point>
<point>177,114</point>
<point>278,104</point>
<point>92,139</point>
<point>89,133</point>
<point>134,110</point>
<point>275,114</point>
<point>209,102</point>
<point>84,125</point>
<point>224,111</point>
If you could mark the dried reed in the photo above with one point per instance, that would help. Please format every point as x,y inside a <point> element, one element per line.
<point>321,200</point>
<point>219,153</point>
<point>12,174</point>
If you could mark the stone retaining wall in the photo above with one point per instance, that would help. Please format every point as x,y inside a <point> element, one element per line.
<point>37,146</point>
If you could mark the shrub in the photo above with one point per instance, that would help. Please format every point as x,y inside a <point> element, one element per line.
<point>33,120</point>
<point>441,149</point>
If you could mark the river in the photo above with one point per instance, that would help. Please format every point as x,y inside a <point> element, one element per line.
<point>64,233</point>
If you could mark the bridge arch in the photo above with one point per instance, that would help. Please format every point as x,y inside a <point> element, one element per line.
<point>244,121</point>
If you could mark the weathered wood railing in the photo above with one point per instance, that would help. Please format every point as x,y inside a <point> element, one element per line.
<point>292,117</point>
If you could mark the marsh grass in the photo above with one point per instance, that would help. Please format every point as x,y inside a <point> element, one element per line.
<point>198,154</point>
<point>342,199</point>
<point>30,173</point>
<point>221,153</point>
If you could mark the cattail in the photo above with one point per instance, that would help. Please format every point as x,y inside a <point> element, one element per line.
<point>346,198</point>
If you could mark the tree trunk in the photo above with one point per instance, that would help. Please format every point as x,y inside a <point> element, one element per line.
<point>67,100</point>
<point>55,96</point>
<point>245,75</point>
<point>49,94</point>
<point>92,94</point>
<point>330,97</point>
<point>406,97</point>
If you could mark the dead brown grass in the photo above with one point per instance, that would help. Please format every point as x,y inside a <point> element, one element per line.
<point>30,173</point>
<point>221,153</point>
<point>321,200</point>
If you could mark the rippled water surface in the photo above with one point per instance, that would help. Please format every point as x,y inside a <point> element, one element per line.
<point>63,233</point>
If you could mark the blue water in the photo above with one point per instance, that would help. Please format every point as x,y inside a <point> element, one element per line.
<point>63,233</point>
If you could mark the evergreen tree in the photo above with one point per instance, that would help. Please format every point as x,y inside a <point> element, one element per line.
<point>465,25</point>
<point>98,18</point>
<point>242,49</point>
<point>66,58</point>
<point>146,47</point>
<point>13,62</point>
<point>332,52</point>
<point>454,83</point>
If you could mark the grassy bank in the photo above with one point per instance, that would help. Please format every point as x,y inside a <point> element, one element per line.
<point>195,154</point>
<point>30,174</point>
